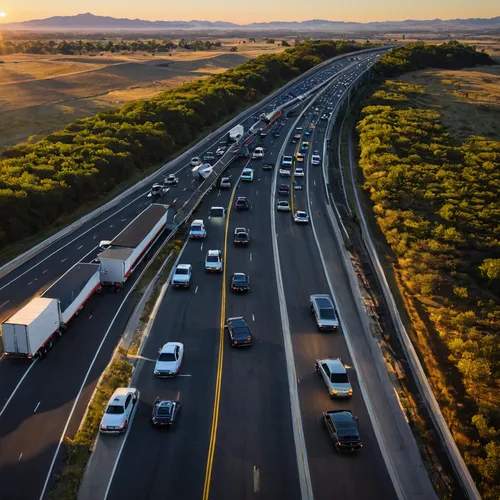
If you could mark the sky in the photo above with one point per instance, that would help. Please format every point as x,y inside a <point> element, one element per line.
<point>254,10</point>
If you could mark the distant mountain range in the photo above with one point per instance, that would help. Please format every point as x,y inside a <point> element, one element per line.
<point>89,22</point>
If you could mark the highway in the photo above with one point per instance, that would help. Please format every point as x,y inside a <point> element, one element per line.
<point>42,401</point>
<point>254,452</point>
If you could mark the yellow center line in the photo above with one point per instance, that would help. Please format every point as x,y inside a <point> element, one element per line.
<point>218,380</point>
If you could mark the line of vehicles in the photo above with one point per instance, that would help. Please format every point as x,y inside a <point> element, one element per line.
<point>32,331</point>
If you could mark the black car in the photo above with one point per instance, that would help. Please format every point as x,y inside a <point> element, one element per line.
<point>242,203</point>
<point>284,189</point>
<point>165,412</point>
<point>240,282</point>
<point>267,166</point>
<point>343,429</point>
<point>239,333</point>
<point>241,236</point>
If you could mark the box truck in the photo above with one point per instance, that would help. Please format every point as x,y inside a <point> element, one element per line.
<point>129,248</point>
<point>32,330</point>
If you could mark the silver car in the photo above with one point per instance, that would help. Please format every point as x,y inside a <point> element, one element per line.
<point>213,261</point>
<point>334,374</point>
<point>324,312</point>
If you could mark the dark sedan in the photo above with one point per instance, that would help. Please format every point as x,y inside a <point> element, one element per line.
<point>342,427</point>
<point>242,203</point>
<point>241,236</point>
<point>165,412</point>
<point>240,282</point>
<point>239,333</point>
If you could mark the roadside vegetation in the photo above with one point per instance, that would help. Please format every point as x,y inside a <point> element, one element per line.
<point>53,177</point>
<point>117,374</point>
<point>435,198</point>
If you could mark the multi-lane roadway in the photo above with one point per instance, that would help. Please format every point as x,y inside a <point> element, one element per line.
<point>235,438</point>
<point>40,402</point>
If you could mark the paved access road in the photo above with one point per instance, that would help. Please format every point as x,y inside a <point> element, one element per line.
<point>42,401</point>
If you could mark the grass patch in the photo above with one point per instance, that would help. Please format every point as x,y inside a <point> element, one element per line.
<point>117,374</point>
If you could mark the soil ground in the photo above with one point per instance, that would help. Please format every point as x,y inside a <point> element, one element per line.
<point>40,94</point>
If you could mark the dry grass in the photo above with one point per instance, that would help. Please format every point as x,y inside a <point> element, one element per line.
<point>40,94</point>
<point>468,100</point>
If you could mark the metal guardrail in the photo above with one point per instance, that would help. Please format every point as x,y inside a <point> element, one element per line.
<point>417,370</point>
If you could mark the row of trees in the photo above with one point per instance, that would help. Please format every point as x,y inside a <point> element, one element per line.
<point>437,202</point>
<point>41,181</point>
<point>87,46</point>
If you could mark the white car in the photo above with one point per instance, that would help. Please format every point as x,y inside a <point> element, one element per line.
<point>169,360</point>
<point>171,180</point>
<point>182,276</point>
<point>301,217</point>
<point>225,183</point>
<point>213,261</point>
<point>195,161</point>
<point>258,153</point>
<point>247,174</point>
<point>283,206</point>
<point>220,150</point>
<point>287,161</point>
<point>334,374</point>
<point>217,212</point>
<point>316,159</point>
<point>118,411</point>
<point>285,172</point>
<point>197,230</point>
<point>299,172</point>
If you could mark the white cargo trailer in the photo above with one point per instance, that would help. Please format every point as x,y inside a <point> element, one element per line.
<point>129,247</point>
<point>73,289</point>
<point>32,329</point>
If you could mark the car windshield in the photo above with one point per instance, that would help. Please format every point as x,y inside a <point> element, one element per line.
<point>339,378</point>
<point>327,313</point>
<point>166,356</point>
<point>212,258</point>
<point>115,410</point>
<point>181,271</point>
<point>241,278</point>
<point>195,228</point>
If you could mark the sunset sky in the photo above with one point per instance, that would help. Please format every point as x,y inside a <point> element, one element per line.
<point>254,10</point>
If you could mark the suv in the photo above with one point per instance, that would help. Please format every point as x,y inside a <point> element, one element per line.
<point>316,160</point>
<point>287,161</point>
<point>239,333</point>
<point>324,312</point>
<point>343,429</point>
<point>182,276</point>
<point>258,153</point>
<point>197,230</point>
<point>213,261</point>
<point>242,203</point>
<point>241,236</point>
<point>247,174</point>
<point>333,372</point>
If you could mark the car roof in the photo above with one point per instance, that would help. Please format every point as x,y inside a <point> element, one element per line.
<point>343,419</point>
<point>247,169</point>
<point>169,347</point>
<point>240,198</point>
<point>335,365</point>
<point>240,274</point>
<point>301,212</point>
<point>119,395</point>
<point>216,208</point>
<point>197,221</point>
<point>183,266</point>
<point>322,299</point>
<point>213,252</point>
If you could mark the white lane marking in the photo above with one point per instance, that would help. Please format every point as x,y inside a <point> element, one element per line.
<point>81,246</point>
<point>17,387</point>
<point>5,303</point>
<point>111,225</point>
<point>196,289</point>
<point>123,220</point>
<point>201,246</point>
<point>30,283</point>
<point>45,271</point>
<point>82,387</point>
<point>20,456</point>
<point>298,431</point>
<point>90,316</point>
<point>184,375</point>
<point>314,182</point>
<point>36,407</point>
<point>253,317</point>
<point>95,237</point>
<point>184,189</point>
<point>218,193</point>
<point>256,479</point>
<point>250,257</point>
<point>257,193</point>
<point>65,259</point>
<point>175,199</point>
